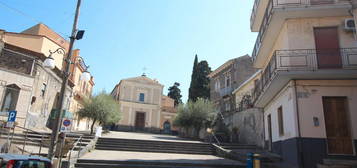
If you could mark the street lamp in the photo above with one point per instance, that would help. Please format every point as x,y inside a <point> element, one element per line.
<point>50,61</point>
<point>51,64</point>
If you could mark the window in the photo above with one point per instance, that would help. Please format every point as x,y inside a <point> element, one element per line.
<point>142,97</point>
<point>281,121</point>
<point>43,89</point>
<point>217,85</point>
<point>10,99</point>
<point>228,107</point>
<point>228,81</point>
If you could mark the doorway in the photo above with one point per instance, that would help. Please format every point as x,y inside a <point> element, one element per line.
<point>338,130</point>
<point>167,127</point>
<point>327,48</point>
<point>139,121</point>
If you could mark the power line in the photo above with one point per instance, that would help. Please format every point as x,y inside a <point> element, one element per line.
<point>28,16</point>
<point>20,12</point>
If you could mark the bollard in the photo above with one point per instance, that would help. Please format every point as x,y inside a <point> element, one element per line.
<point>256,160</point>
<point>250,160</point>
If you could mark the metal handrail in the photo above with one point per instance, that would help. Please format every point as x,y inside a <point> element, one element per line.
<point>214,136</point>
<point>79,140</point>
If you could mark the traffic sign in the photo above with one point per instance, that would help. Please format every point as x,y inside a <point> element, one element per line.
<point>11,119</point>
<point>66,125</point>
<point>66,122</point>
<point>12,116</point>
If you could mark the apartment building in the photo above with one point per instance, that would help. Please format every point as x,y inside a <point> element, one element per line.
<point>41,39</point>
<point>226,78</point>
<point>27,87</point>
<point>308,86</point>
<point>246,122</point>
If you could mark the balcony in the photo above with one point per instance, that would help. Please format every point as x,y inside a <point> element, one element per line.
<point>226,91</point>
<point>286,65</point>
<point>17,62</point>
<point>269,15</point>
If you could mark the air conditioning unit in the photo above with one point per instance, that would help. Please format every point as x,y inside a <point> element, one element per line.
<point>350,24</point>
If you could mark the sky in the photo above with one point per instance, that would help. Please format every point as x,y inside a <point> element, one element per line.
<point>124,38</point>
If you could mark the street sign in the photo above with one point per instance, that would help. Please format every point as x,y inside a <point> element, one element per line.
<point>12,116</point>
<point>11,119</point>
<point>66,125</point>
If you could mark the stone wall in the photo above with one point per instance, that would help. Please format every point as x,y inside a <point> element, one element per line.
<point>248,126</point>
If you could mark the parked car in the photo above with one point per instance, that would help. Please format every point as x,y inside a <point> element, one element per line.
<point>23,161</point>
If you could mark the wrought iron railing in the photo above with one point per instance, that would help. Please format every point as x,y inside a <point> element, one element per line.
<point>225,91</point>
<point>302,60</point>
<point>275,4</point>
<point>15,61</point>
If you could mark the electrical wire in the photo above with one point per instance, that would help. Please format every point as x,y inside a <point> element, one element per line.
<point>27,16</point>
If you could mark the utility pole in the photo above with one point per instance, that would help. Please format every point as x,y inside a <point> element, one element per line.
<point>57,124</point>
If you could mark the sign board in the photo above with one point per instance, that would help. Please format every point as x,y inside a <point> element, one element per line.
<point>12,116</point>
<point>11,119</point>
<point>66,125</point>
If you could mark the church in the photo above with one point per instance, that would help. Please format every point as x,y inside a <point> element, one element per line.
<point>143,106</point>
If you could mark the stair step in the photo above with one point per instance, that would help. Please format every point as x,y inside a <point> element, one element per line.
<point>146,141</point>
<point>155,146</point>
<point>340,162</point>
<point>333,166</point>
<point>149,164</point>
<point>157,150</point>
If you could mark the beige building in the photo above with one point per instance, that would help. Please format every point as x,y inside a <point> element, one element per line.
<point>142,105</point>
<point>42,39</point>
<point>82,90</point>
<point>27,87</point>
<point>307,88</point>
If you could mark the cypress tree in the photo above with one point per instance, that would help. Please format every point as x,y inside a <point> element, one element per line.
<point>192,92</point>
<point>199,87</point>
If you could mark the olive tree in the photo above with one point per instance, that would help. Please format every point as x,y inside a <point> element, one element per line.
<point>195,115</point>
<point>101,109</point>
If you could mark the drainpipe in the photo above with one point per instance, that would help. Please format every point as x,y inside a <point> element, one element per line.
<point>300,145</point>
<point>353,12</point>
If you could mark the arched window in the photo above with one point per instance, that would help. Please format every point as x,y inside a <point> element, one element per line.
<point>11,97</point>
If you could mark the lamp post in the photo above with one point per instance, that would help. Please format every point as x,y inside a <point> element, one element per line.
<point>49,62</point>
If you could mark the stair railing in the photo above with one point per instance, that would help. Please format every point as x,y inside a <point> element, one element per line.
<point>215,137</point>
<point>27,131</point>
<point>78,141</point>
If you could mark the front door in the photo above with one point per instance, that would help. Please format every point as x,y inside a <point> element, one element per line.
<point>327,47</point>
<point>270,136</point>
<point>139,121</point>
<point>167,127</point>
<point>338,130</point>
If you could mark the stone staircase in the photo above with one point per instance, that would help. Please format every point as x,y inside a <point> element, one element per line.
<point>338,163</point>
<point>148,164</point>
<point>154,146</point>
<point>36,143</point>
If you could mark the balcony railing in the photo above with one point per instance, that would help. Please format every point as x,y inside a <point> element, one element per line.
<point>225,91</point>
<point>14,61</point>
<point>275,4</point>
<point>303,60</point>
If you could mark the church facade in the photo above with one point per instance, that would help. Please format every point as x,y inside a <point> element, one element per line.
<point>141,101</point>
